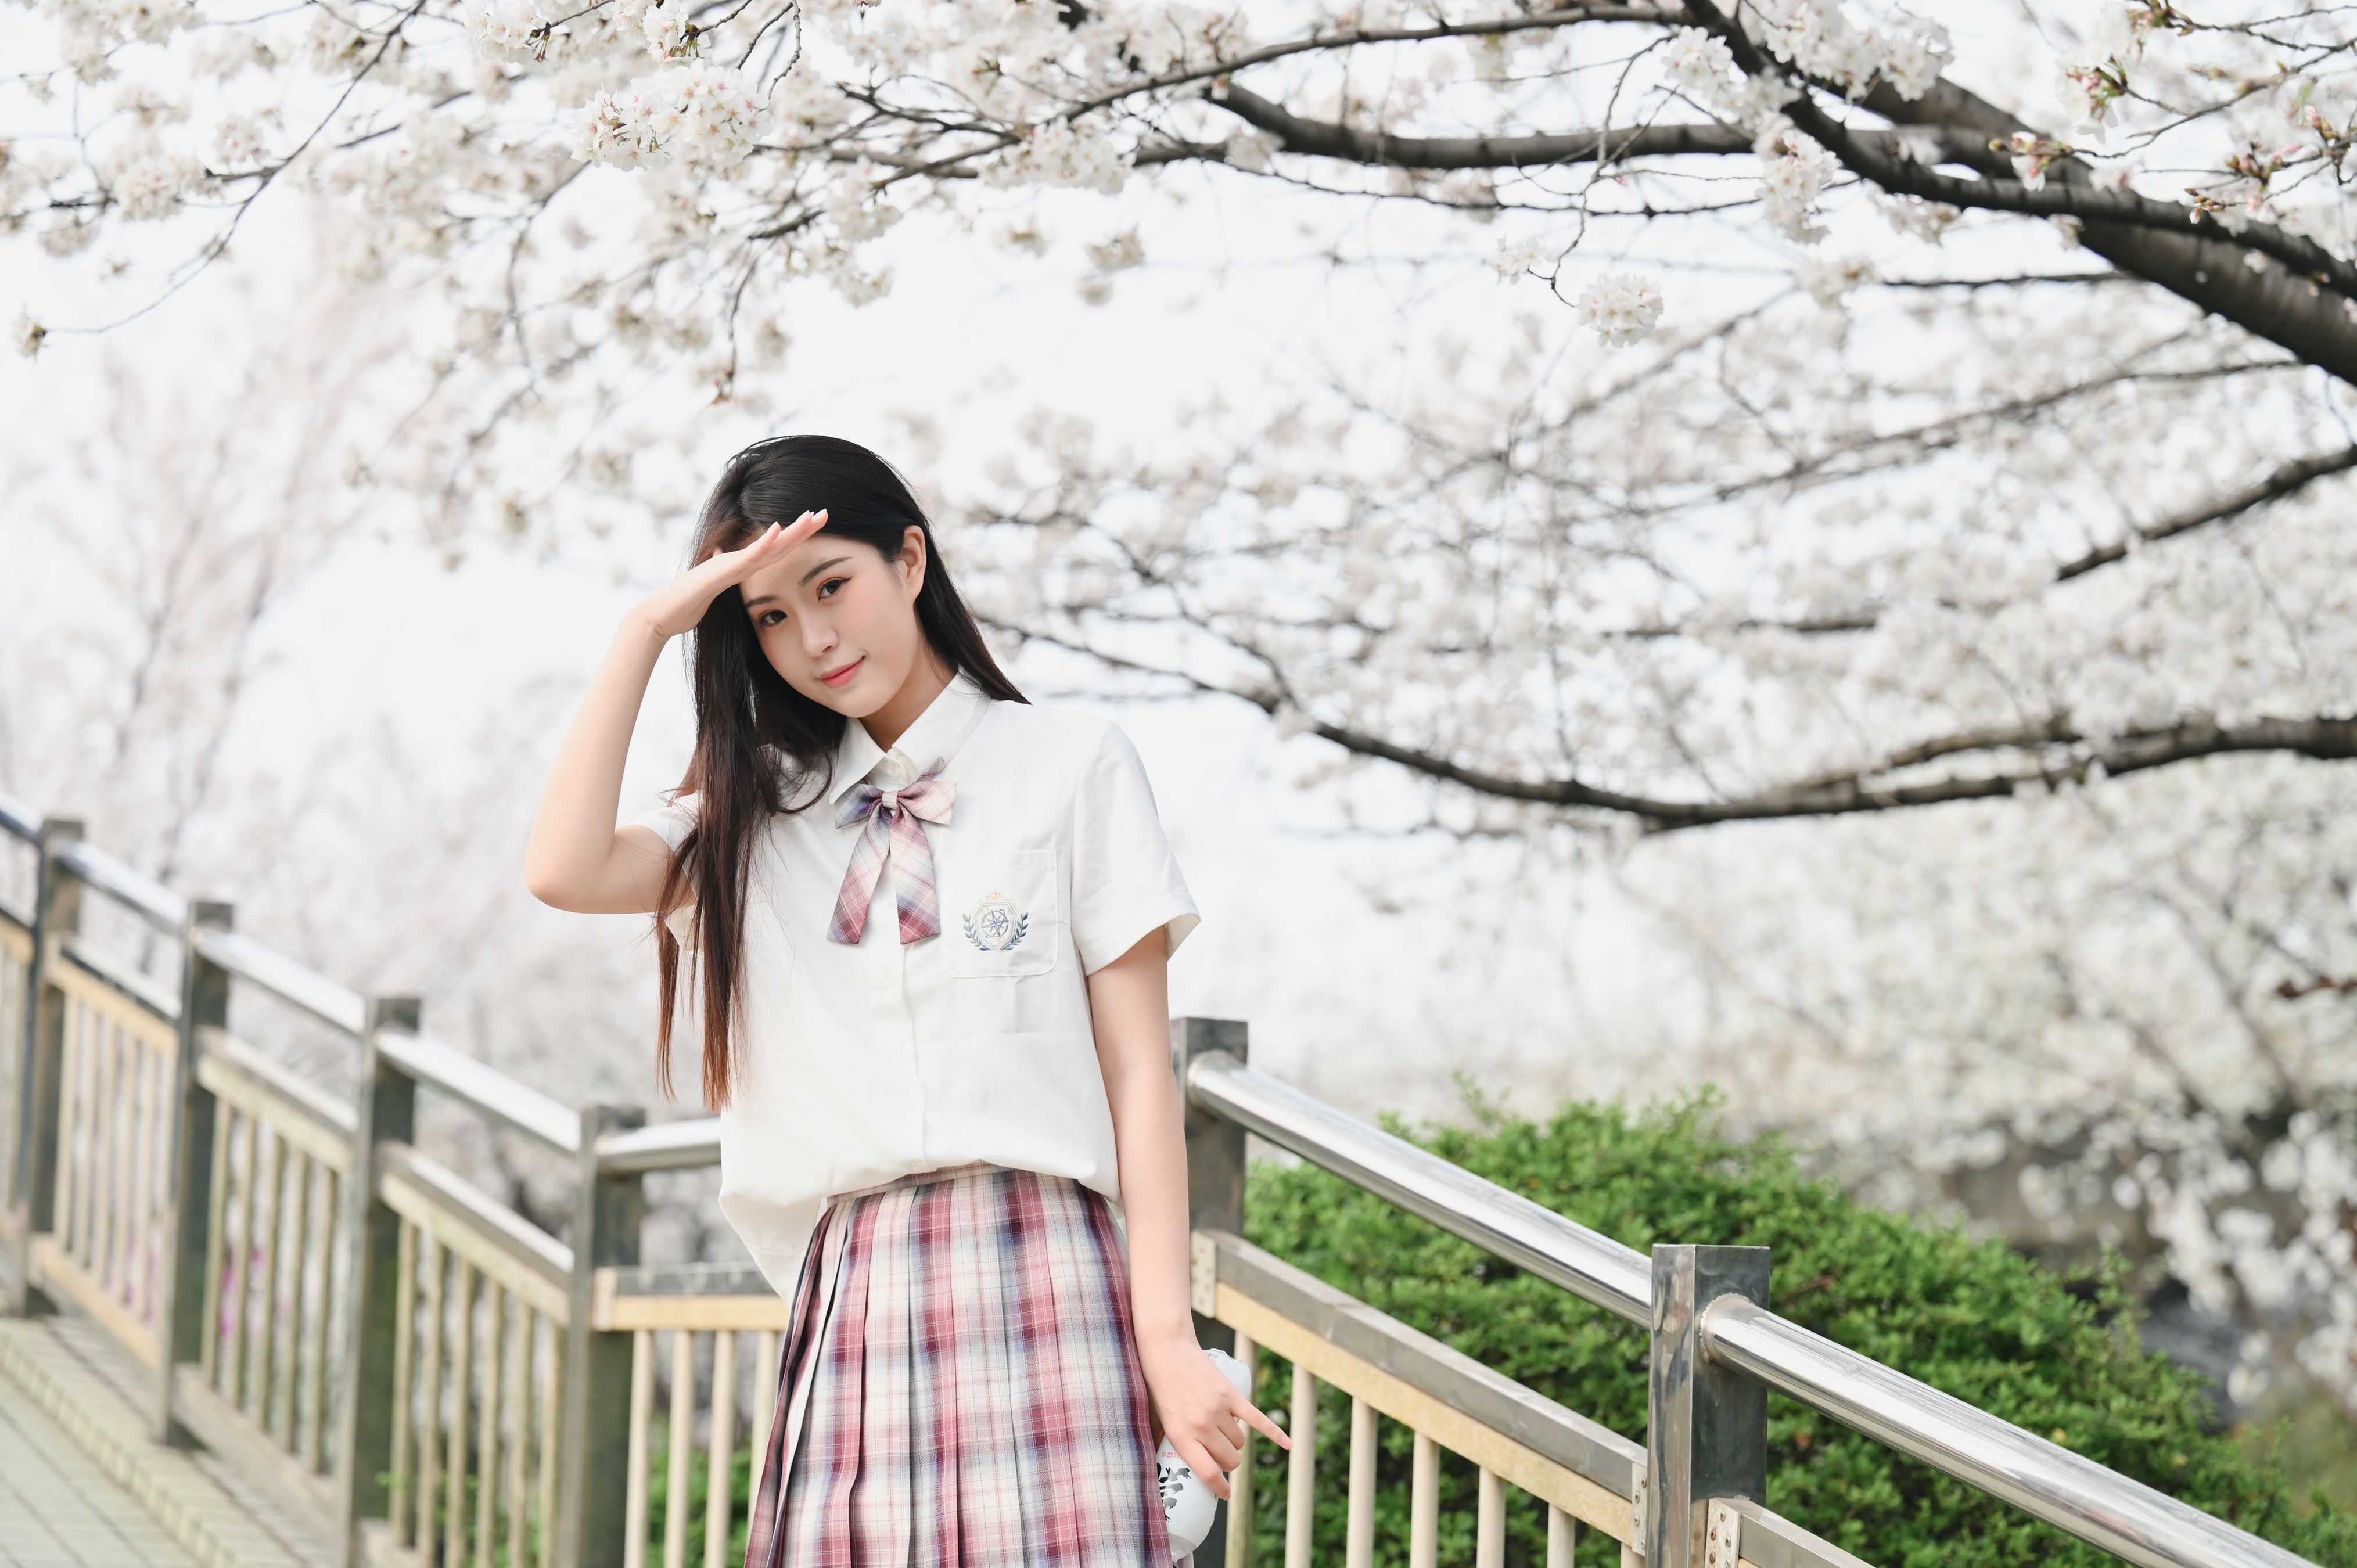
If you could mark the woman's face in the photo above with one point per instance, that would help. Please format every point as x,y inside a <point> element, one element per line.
<point>838,620</point>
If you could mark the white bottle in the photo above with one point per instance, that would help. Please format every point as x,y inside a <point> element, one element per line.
<point>1188,1505</point>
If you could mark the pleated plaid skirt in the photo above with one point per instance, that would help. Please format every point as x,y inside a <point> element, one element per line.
<point>960,1388</point>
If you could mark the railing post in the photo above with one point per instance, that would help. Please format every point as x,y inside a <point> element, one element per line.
<point>33,1185</point>
<point>1215,1149</point>
<point>590,1494</point>
<point>387,1110</point>
<point>180,1322</point>
<point>1215,1195</point>
<point>1707,1428</point>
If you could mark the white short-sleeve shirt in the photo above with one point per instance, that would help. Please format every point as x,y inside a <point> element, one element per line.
<point>861,1063</point>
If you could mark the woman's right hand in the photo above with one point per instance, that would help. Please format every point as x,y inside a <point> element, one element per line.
<point>680,604</point>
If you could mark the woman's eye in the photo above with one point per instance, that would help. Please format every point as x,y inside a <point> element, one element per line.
<point>767,619</point>
<point>826,589</point>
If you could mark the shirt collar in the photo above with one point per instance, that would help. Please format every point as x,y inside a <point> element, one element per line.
<point>935,736</point>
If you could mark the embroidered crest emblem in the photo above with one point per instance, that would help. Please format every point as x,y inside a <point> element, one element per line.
<point>996,924</point>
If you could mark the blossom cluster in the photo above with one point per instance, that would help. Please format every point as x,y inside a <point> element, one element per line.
<point>1794,172</point>
<point>1817,39</point>
<point>1700,65</point>
<point>699,114</point>
<point>1060,153</point>
<point>1621,308</point>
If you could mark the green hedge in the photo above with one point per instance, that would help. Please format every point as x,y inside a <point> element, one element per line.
<point>1969,1317</point>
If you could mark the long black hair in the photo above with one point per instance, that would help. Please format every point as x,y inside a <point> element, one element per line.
<point>762,747</point>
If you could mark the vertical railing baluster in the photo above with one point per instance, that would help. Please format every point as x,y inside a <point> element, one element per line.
<point>1423,1504</point>
<point>296,1238</point>
<point>720,1455</point>
<point>105,1105</point>
<point>130,1163</point>
<point>73,1104</point>
<point>682,1447</point>
<point>487,1428</point>
<point>405,1330</point>
<point>1563,1537</point>
<point>1238,1541</point>
<point>552,1415</point>
<point>518,1400</point>
<point>322,1314</point>
<point>184,1322</point>
<point>33,1176</point>
<point>386,1112</point>
<point>462,1384</point>
<point>1358,1541</point>
<point>113,1143</point>
<point>767,1348</point>
<point>246,1175</point>
<point>1301,1471</point>
<point>435,1263</point>
<point>155,1145</point>
<point>1490,1522</point>
<point>273,1194</point>
<point>217,1245</point>
<point>139,1116</point>
<point>634,1478</point>
<point>607,1213</point>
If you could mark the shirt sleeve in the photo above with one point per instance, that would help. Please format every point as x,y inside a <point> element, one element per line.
<point>1126,881</point>
<point>670,821</point>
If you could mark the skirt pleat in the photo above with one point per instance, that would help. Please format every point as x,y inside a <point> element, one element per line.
<point>960,1388</point>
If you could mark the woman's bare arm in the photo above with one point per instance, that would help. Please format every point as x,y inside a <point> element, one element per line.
<point>1129,1005</point>
<point>578,859</point>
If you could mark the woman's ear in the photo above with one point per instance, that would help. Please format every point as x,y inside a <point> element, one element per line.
<point>912,560</point>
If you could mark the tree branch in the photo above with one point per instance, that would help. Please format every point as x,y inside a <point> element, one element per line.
<point>2292,477</point>
<point>2288,479</point>
<point>1846,794</point>
<point>2300,306</point>
<point>1320,138</point>
<point>2060,754</point>
<point>2285,306</point>
<point>1323,138</point>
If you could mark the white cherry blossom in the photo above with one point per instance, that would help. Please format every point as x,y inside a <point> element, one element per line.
<point>1621,308</point>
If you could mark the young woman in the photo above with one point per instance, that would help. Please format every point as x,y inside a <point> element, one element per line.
<point>925,928</point>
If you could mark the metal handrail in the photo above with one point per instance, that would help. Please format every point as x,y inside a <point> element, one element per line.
<point>1583,1261</point>
<point>2101,1505</point>
<point>422,1058</point>
<point>2049,1482</point>
<point>134,889</point>
<point>20,820</point>
<point>483,1087</point>
<point>340,1006</point>
<point>665,1147</point>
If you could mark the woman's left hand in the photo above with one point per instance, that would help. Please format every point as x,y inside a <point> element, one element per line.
<point>1199,1410</point>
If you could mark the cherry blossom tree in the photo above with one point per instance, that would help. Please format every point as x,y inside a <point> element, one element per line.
<point>487,141</point>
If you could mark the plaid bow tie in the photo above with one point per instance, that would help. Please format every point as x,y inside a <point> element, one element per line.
<point>896,829</point>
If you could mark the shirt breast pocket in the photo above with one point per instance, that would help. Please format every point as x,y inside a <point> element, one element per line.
<point>1006,918</point>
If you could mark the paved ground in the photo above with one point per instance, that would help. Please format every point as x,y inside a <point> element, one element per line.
<point>59,1510</point>
<point>82,1486</point>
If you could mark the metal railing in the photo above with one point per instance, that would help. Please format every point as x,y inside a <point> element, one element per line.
<point>435,1379</point>
<point>2098,1504</point>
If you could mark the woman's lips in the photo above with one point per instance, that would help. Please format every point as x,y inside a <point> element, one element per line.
<point>841,674</point>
